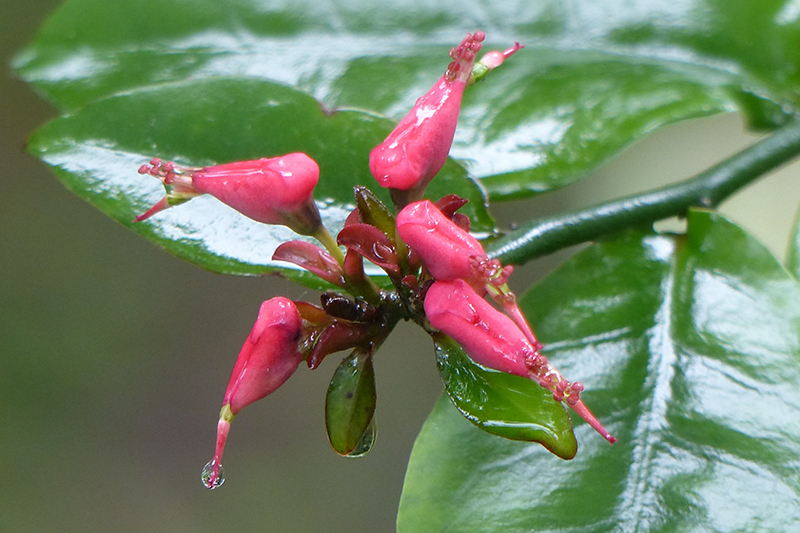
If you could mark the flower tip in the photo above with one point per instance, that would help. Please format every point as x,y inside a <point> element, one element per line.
<point>492,60</point>
<point>159,206</point>
<point>580,408</point>
<point>511,51</point>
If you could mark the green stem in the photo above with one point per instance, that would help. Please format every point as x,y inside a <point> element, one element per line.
<point>708,189</point>
<point>327,240</point>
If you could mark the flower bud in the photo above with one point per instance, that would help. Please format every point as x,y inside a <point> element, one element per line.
<point>488,336</point>
<point>446,250</point>
<point>493,340</point>
<point>272,191</point>
<point>270,356</point>
<point>418,147</point>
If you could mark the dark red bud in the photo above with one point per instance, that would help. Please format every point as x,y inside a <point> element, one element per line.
<point>462,221</point>
<point>354,266</point>
<point>411,282</point>
<point>337,337</point>
<point>449,204</point>
<point>353,218</point>
<point>371,243</point>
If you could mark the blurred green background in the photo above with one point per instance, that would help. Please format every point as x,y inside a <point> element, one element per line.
<point>114,355</point>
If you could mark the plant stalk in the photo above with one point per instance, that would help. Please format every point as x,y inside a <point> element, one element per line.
<point>707,189</point>
<point>326,239</point>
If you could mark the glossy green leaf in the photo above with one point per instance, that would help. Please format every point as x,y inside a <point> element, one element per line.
<point>594,76</point>
<point>350,402</point>
<point>690,351</point>
<point>502,404</point>
<point>97,150</point>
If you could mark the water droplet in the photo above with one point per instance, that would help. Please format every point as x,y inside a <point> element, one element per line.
<point>367,441</point>
<point>209,480</point>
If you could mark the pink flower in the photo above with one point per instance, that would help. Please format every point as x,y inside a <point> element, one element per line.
<point>446,250</point>
<point>272,191</point>
<point>488,336</point>
<point>493,340</point>
<point>269,357</point>
<point>418,147</point>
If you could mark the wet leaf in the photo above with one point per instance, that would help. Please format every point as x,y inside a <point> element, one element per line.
<point>502,404</point>
<point>97,150</point>
<point>594,76</point>
<point>350,403</point>
<point>689,348</point>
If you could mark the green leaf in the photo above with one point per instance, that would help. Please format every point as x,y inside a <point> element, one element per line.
<point>373,212</point>
<point>594,76</point>
<point>97,151</point>
<point>350,402</point>
<point>690,351</point>
<point>509,406</point>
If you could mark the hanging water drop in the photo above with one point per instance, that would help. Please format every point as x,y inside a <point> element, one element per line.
<point>213,475</point>
<point>366,442</point>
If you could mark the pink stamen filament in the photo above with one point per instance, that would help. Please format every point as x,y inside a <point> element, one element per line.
<point>463,57</point>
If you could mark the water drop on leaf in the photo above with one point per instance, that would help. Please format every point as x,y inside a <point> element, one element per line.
<point>366,442</point>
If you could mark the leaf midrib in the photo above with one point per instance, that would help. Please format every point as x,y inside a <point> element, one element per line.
<point>639,495</point>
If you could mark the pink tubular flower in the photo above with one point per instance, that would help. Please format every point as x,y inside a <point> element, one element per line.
<point>447,251</point>
<point>272,191</point>
<point>268,358</point>
<point>418,147</point>
<point>493,340</point>
<point>488,336</point>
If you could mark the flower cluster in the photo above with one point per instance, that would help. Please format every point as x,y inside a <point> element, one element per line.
<point>439,273</point>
